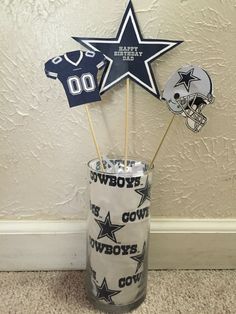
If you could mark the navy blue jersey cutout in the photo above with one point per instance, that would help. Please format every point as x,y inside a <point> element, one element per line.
<point>77,71</point>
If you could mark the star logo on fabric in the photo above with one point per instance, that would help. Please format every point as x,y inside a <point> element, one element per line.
<point>129,55</point>
<point>139,258</point>
<point>107,228</point>
<point>104,293</point>
<point>145,193</point>
<point>186,78</point>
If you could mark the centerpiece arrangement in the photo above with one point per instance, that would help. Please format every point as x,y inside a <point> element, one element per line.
<point>119,216</point>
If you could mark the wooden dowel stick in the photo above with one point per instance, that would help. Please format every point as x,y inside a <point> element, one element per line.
<point>162,141</point>
<point>126,122</point>
<point>94,137</point>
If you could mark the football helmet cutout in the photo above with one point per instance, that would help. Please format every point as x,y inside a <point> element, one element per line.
<point>187,92</point>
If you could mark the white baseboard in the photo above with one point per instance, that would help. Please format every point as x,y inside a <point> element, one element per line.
<point>174,244</point>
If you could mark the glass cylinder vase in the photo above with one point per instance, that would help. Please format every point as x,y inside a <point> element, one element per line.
<point>118,234</point>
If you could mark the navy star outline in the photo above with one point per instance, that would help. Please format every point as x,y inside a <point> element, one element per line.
<point>117,70</point>
<point>104,293</point>
<point>107,229</point>
<point>186,78</point>
<point>139,258</point>
<point>145,193</point>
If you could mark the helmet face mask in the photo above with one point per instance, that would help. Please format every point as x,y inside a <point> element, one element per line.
<point>187,92</point>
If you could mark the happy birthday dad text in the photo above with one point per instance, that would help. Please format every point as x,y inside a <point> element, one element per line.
<point>128,53</point>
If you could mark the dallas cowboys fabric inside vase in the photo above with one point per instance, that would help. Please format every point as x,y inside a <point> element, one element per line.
<point>118,234</point>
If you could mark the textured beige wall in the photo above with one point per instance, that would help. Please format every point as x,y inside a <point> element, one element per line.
<point>44,145</point>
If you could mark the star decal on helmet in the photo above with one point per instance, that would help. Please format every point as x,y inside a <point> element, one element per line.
<point>107,229</point>
<point>186,78</point>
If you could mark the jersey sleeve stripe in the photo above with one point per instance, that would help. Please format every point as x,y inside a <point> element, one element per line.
<point>100,65</point>
<point>51,74</point>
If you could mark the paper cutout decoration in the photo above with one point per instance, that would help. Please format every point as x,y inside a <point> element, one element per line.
<point>77,71</point>
<point>129,55</point>
<point>187,92</point>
